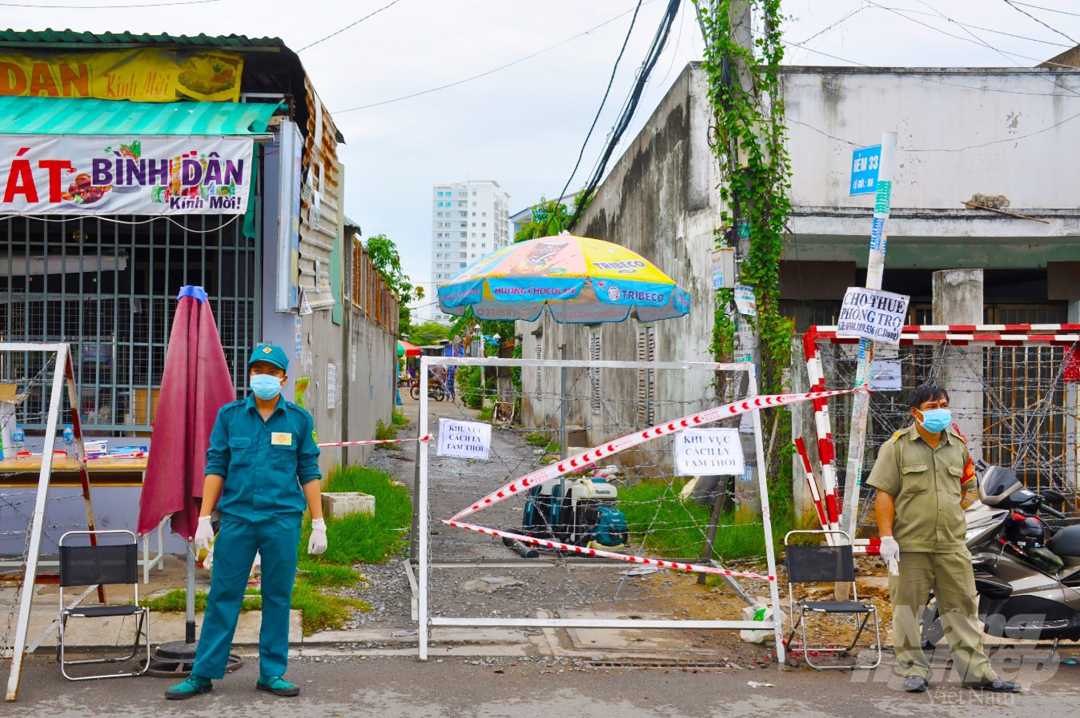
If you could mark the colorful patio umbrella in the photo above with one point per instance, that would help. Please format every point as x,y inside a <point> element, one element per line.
<point>580,280</point>
<point>404,349</point>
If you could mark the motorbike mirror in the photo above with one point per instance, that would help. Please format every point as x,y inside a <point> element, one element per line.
<point>1053,497</point>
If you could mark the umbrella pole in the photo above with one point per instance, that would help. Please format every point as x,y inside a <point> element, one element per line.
<point>189,628</point>
<point>562,387</point>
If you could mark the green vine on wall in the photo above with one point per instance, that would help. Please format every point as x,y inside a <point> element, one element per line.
<point>748,114</point>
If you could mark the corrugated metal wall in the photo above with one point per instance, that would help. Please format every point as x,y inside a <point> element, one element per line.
<point>320,203</point>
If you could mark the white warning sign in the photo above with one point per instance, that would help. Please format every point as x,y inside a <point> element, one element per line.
<point>465,439</point>
<point>708,452</point>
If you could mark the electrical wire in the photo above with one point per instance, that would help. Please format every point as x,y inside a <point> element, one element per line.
<point>845,18</point>
<point>656,49</point>
<point>603,100</point>
<point>350,25</point>
<point>489,72</point>
<point>976,27</point>
<point>977,41</point>
<point>995,49</point>
<point>1047,9</point>
<point>1048,27</point>
<point>923,78</point>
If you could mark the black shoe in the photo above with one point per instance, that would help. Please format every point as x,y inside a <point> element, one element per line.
<point>998,686</point>
<point>915,684</point>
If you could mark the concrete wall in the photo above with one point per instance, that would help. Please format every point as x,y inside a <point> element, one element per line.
<point>961,131</point>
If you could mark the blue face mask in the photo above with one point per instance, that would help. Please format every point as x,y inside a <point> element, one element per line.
<point>265,386</point>
<point>936,420</point>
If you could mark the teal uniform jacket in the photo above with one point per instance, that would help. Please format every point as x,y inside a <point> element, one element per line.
<point>264,464</point>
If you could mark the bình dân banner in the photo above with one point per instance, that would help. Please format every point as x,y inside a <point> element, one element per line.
<point>142,75</point>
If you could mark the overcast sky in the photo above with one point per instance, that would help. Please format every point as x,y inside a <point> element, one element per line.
<point>523,126</point>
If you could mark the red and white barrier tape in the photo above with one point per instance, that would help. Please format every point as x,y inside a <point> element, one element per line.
<point>373,441</point>
<point>586,551</point>
<point>586,458</point>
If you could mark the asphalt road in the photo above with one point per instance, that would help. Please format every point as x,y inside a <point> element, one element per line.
<point>402,687</point>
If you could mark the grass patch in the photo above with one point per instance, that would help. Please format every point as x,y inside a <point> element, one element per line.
<point>322,611</point>
<point>383,433</point>
<point>537,438</point>
<point>487,413</point>
<point>663,523</point>
<point>363,538</point>
<point>175,601</point>
<point>398,419</point>
<point>326,575</point>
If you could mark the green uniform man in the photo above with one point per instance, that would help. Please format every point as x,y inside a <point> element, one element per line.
<point>921,482</point>
<point>262,471</point>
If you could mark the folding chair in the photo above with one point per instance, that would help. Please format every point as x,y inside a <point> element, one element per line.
<point>114,564</point>
<point>826,564</point>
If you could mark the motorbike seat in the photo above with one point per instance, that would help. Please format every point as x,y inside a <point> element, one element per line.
<point>1066,542</point>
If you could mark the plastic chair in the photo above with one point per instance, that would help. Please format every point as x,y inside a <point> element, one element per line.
<point>826,564</point>
<point>114,564</point>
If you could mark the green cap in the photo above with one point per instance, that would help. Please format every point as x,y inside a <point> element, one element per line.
<point>271,355</point>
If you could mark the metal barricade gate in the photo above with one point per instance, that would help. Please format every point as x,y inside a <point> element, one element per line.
<point>430,554</point>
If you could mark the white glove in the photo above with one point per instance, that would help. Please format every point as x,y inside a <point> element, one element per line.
<point>204,534</point>
<point>208,562</point>
<point>889,549</point>
<point>317,542</point>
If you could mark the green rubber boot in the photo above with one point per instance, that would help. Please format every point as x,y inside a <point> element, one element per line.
<point>278,686</point>
<point>193,686</point>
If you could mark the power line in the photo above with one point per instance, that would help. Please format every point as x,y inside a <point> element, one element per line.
<point>1054,29</point>
<point>350,25</point>
<point>1047,9</point>
<point>600,109</point>
<point>845,18</point>
<point>976,27</point>
<point>923,78</point>
<point>995,49</point>
<point>976,41</point>
<point>656,49</point>
<point>489,72</point>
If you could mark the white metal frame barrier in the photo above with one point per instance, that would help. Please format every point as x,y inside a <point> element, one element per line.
<point>63,376</point>
<point>424,618</point>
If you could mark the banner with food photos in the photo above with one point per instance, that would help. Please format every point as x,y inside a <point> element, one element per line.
<point>142,75</point>
<point>108,175</point>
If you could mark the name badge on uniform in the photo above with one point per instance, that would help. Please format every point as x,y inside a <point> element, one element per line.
<point>281,438</point>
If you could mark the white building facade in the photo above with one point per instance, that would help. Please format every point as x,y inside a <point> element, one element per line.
<point>469,220</point>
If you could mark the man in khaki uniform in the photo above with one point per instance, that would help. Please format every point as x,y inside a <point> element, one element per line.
<point>920,478</point>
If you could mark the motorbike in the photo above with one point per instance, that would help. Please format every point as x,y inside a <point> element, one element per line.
<point>435,389</point>
<point>1027,573</point>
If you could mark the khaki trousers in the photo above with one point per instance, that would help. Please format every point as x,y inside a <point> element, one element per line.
<point>953,582</point>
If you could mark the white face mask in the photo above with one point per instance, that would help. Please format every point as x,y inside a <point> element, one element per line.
<point>265,386</point>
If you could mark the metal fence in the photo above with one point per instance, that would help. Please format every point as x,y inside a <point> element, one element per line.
<point>108,287</point>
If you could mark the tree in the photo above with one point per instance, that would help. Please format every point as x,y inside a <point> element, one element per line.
<point>384,255</point>
<point>427,333</point>
<point>549,218</point>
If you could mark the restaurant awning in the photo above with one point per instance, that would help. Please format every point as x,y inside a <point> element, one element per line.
<point>65,116</point>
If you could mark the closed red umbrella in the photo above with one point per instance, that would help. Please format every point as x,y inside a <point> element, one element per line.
<point>196,383</point>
